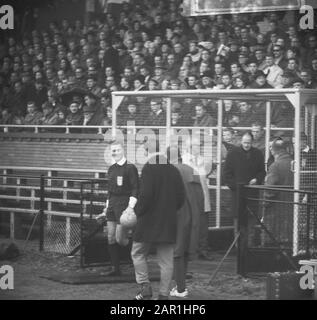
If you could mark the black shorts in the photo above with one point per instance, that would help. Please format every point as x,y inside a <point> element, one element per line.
<point>117,204</point>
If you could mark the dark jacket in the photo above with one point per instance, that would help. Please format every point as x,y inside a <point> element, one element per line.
<point>242,166</point>
<point>189,214</point>
<point>161,195</point>
<point>279,216</point>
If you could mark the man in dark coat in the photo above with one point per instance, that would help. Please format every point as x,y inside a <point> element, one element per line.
<point>244,165</point>
<point>162,193</point>
<point>278,217</point>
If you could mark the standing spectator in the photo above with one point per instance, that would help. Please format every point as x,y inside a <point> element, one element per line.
<point>187,222</point>
<point>162,194</point>
<point>278,216</point>
<point>259,136</point>
<point>243,165</point>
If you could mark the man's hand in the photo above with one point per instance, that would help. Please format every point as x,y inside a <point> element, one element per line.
<point>129,210</point>
<point>102,216</point>
<point>253,181</point>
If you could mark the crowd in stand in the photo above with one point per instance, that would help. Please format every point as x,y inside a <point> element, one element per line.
<point>65,75</point>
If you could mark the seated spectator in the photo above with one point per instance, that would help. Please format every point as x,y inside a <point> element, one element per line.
<point>50,116</point>
<point>246,114</point>
<point>131,115</point>
<point>178,119</point>
<point>33,116</point>
<point>229,110</point>
<point>75,117</point>
<point>226,80</point>
<point>90,119</point>
<point>61,116</point>
<point>93,87</point>
<point>272,71</point>
<point>305,75</point>
<point>157,115</point>
<point>260,81</point>
<point>202,118</point>
<point>240,82</point>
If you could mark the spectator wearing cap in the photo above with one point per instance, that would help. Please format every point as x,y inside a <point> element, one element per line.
<point>298,83</point>
<point>138,83</point>
<point>259,81</point>
<point>206,80</point>
<point>286,80</point>
<point>157,116</point>
<point>272,71</point>
<point>75,116</point>
<point>33,116</point>
<point>202,118</point>
<point>91,117</point>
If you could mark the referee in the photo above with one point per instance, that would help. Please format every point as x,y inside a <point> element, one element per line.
<point>123,187</point>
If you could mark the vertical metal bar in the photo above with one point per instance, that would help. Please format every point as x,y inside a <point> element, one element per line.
<point>219,145</point>
<point>67,235</point>
<point>267,131</point>
<point>114,115</point>
<point>12,226</point>
<point>297,106</point>
<point>168,121</point>
<point>18,193</point>
<point>308,224</point>
<point>5,179</point>
<point>81,225</point>
<point>91,201</point>
<point>42,198</point>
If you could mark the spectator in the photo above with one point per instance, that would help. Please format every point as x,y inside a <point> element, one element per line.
<point>272,71</point>
<point>276,214</point>
<point>75,117</point>
<point>157,115</point>
<point>260,81</point>
<point>258,136</point>
<point>33,116</point>
<point>243,165</point>
<point>203,119</point>
<point>50,116</point>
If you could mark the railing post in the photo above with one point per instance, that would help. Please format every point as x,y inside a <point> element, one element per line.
<point>242,228</point>
<point>308,224</point>
<point>42,197</point>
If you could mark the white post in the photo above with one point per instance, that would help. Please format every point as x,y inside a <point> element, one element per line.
<point>12,235</point>
<point>67,231</point>
<point>267,131</point>
<point>18,190</point>
<point>168,121</point>
<point>297,106</point>
<point>219,145</point>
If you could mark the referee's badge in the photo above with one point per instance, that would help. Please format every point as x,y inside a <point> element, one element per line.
<point>119,181</point>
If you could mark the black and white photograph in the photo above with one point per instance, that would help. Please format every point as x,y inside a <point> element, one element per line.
<point>158,150</point>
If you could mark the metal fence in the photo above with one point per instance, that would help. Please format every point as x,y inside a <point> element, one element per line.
<point>271,222</point>
<point>47,209</point>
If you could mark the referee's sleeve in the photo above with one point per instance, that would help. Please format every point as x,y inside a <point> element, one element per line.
<point>134,181</point>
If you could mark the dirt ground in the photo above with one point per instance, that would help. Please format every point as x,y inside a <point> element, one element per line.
<point>31,265</point>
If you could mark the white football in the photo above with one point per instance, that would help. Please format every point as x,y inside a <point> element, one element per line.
<point>128,219</point>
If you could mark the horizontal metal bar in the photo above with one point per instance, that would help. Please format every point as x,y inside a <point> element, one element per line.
<point>49,189</point>
<point>282,189</point>
<point>50,169</point>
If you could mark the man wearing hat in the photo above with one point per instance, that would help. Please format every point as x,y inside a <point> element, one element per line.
<point>260,81</point>
<point>75,116</point>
